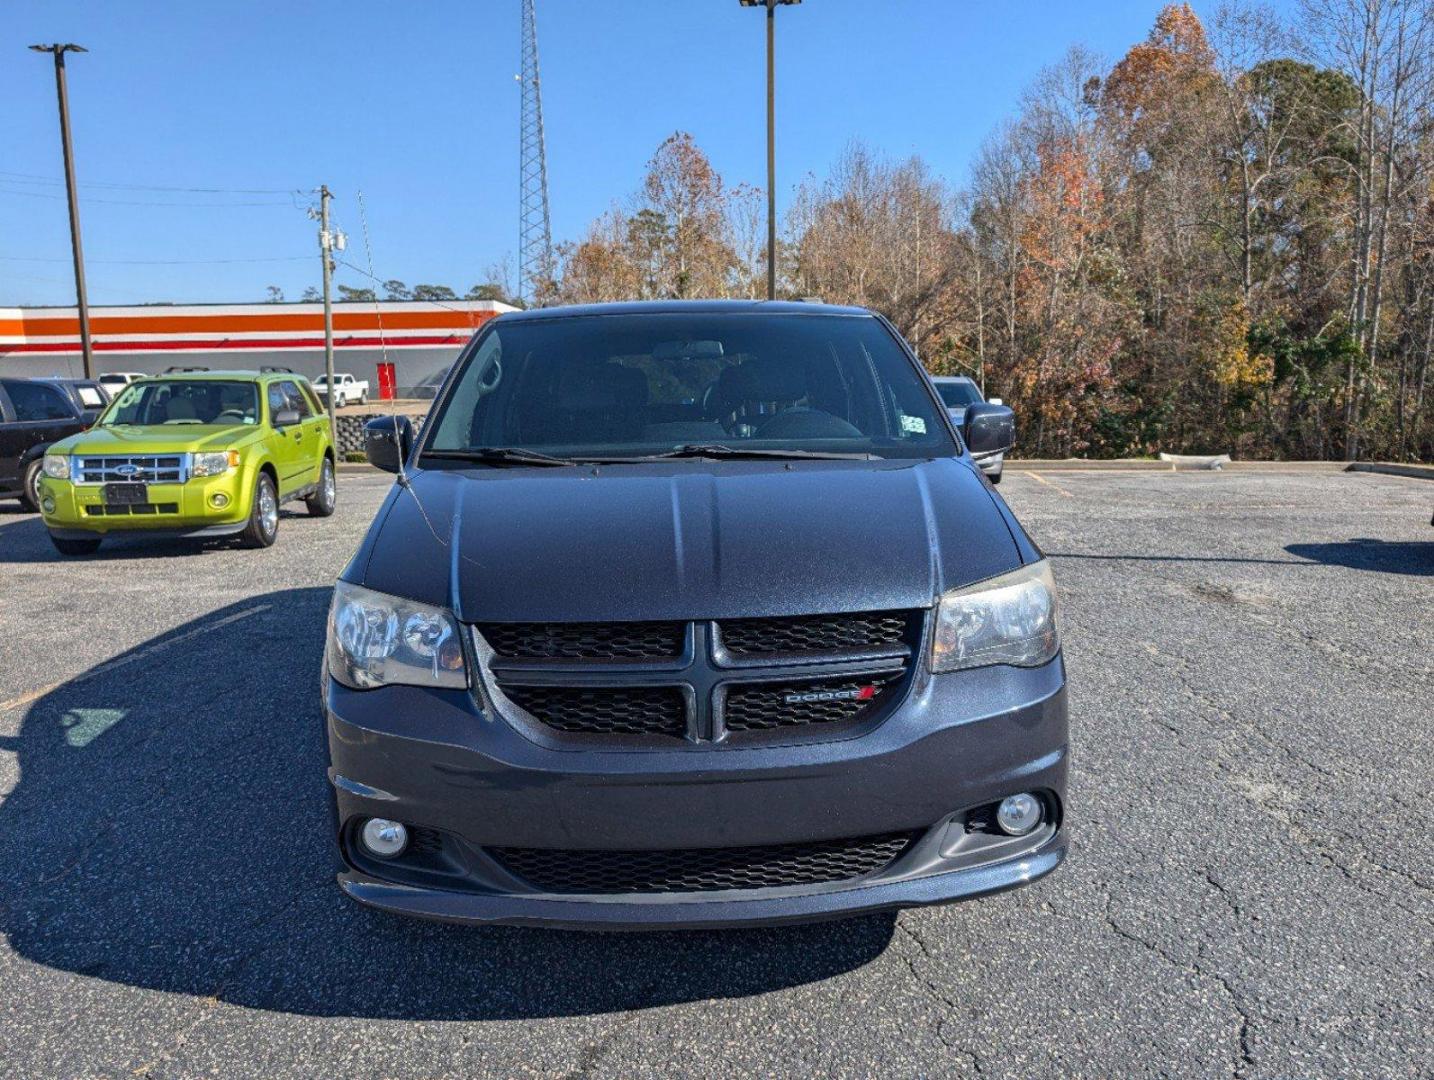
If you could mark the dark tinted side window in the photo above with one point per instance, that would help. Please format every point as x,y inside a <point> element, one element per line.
<point>35,401</point>
<point>308,394</point>
<point>296,400</point>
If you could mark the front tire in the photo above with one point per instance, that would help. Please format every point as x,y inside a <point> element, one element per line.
<point>71,546</point>
<point>994,477</point>
<point>263,527</point>
<point>325,497</point>
<point>30,493</point>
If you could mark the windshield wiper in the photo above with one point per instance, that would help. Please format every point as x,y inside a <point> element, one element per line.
<point>499,455</point>
<point>720,450</point>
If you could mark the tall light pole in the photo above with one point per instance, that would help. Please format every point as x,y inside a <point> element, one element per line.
<point>771,6</point>
<point>81,299</point>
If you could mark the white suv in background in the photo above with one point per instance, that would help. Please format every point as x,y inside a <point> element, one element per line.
<point>956,392</point>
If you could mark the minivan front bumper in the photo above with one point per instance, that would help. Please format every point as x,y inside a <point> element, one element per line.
<point>436,761</point>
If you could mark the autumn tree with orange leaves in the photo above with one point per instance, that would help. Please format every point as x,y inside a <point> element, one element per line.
<point>1223,241</point>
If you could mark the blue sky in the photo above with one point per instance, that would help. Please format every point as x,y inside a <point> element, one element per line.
<point>416,105</point>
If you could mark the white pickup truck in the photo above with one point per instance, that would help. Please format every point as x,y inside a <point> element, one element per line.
<point>347,389</point>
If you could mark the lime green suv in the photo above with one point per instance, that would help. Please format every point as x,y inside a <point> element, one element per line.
<point>191,453</point>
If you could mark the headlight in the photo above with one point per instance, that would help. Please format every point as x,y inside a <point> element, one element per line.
<point>1006,620</point>
<point>212,464</point>
<point>377,640</point>
<point>57,466</point>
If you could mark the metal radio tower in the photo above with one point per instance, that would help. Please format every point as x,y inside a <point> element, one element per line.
<point>535,237</point>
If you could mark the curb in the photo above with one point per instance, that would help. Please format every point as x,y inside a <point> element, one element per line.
<point>1387,468</point>
<point>1147,465</point>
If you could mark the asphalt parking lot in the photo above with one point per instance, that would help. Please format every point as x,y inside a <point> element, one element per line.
<point>1251,891</point>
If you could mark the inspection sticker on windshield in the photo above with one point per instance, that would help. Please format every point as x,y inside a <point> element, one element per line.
<point>913,425</point>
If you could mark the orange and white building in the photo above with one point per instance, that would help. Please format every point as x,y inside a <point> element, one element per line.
<point>419,338</point>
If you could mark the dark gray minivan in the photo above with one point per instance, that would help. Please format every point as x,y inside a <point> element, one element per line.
<point>692,614</point>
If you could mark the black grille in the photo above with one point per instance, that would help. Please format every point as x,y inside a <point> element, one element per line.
<point>586,641</point>
<point>768,706</point>
<point>127,509</point>
<point>629,710</point>
<point>702,869</point>
<point>813,633</point>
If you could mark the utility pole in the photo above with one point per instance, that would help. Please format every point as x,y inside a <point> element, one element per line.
<point>771,6</point>
<point>82,301</point>
<point>326,243</point>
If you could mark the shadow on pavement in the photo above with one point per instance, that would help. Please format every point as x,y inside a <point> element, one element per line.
<point>1388,556</point>
<point>170,830</point>
<point>24,539</point>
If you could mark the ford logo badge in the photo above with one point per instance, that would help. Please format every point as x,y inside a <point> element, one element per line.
<point>128,470</point>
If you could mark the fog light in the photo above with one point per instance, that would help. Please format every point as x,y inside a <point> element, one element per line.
<point>47,504</point>
<point>219,500</point>
<point>1018,814</point>
<point>383,838</point>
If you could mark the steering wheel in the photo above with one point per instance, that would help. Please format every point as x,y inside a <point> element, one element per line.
<point>235,416</point>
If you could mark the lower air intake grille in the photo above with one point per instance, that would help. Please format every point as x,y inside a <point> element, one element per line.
<point>586,641</point>
<point>769,706</point>
<point>131,509</point>
<point>702,869</point>
<point>813,633</point>
<point>631,710</point>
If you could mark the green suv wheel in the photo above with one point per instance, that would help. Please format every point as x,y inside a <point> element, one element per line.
<point>325,497</point>
<point>263,525</point>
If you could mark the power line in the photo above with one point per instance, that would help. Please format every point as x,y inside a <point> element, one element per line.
<point>34,178</point>
<point>136,202</point>
<point>161,262</point>
<point>381,281</point>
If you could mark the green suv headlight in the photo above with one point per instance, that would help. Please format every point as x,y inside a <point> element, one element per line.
<point>376,639</point>
<point>1009,619</point>
<point>56,466</point>
<point>213,464</point>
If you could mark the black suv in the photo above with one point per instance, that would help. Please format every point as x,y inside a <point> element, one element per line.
<point>692,614</point>
<point>33,414</point>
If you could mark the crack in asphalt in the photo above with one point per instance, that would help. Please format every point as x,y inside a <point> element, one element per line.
<point>1245,1024</point>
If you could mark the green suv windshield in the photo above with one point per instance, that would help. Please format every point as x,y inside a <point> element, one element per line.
<point>185,401</point>
<point>632,386</point>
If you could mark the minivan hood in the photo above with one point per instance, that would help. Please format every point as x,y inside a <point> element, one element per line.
<point>156,439</point>
<point>686,540</point>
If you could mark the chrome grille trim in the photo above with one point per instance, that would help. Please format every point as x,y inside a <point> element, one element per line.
<point>153,468</point>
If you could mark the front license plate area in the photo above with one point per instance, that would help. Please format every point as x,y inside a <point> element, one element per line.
<point>126,494</point>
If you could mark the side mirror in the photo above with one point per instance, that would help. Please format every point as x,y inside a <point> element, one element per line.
<point>286,418</point>
<point>990,429</point>
<point>387,441</point>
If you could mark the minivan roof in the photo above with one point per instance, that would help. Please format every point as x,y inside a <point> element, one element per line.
<point>687,307</point>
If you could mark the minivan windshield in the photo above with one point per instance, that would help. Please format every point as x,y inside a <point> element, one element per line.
<point>642,385</point>
<point>184,401</point>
